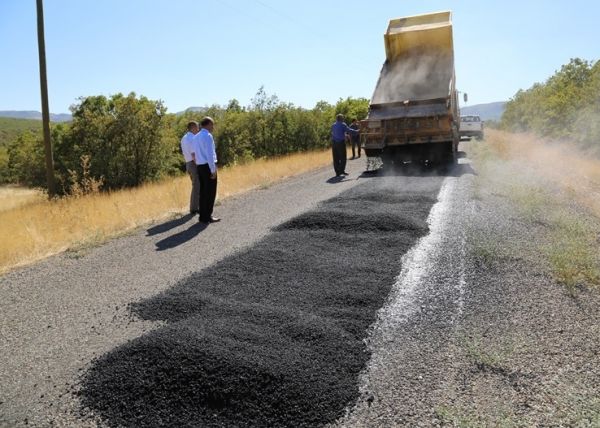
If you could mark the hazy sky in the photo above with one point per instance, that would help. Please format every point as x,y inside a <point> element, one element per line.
<point>191,53</point>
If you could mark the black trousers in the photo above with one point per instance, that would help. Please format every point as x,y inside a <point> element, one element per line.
<point>355,143</point>
<point>338,149</point>
<point>208,192</point>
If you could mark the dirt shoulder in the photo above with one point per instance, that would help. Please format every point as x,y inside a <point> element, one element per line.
<point>527,348</point>
<point>501,326</point>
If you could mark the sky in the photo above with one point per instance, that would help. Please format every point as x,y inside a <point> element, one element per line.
<point>201,52</point>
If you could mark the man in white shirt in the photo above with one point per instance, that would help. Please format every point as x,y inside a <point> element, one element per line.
<point>205,157</point>
<point>190,166</point>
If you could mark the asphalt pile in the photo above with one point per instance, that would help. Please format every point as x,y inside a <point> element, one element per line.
<point>273,335</point>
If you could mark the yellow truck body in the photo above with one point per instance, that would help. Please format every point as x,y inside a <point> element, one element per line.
<point>413,113</point>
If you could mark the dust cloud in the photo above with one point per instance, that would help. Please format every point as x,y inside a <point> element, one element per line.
<point>559,164</point>
<point>415,76</point>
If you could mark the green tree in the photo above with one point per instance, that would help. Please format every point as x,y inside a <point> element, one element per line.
<point>566,106</point>
<point>126,138</point>
<point>353,108</point>
<point>26,160</point>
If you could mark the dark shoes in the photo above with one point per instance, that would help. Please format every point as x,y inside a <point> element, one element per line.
<point>211,220</point>
<point>344,173</point>
<point>193,212</point>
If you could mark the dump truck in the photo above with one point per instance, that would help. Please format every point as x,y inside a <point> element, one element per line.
<point>413,113</point>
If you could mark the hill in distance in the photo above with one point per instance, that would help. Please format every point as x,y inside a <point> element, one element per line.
<point>35,115</point>
<point>489,111</point>
<point>11,128</point>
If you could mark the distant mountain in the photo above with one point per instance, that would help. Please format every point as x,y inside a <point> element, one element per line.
<point>32,114</point>
<point>489,111</point>
<point>192,109</point>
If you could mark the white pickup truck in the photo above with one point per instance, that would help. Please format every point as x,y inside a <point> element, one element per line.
<point>471,126</point>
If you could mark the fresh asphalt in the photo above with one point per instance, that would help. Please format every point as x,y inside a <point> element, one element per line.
<point>260,319</point>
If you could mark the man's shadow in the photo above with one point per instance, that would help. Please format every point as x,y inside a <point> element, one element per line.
<point>337,179</point>
<point>180,237</point>
<point>171,224</point>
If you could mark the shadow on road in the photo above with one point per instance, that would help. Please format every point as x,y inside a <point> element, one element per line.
<point>335,180</point>
<point>171,224</point>
<point>180,237</point>
<point>419,170</point>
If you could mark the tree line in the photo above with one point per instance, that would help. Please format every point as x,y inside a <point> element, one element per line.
<point>564,107</point>
<point>126,140</point>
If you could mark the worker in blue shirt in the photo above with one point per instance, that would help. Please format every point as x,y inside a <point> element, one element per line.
<point>338,145</point>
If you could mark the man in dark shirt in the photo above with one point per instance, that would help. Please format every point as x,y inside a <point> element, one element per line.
<point>338,145</point>
<point>355,139</point>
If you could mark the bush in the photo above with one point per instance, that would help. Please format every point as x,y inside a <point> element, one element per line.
<point>566,106</point>
<point>26,164</point>
<point>129,140</point>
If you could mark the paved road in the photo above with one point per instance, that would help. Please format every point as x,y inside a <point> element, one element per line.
<point>60,314</point>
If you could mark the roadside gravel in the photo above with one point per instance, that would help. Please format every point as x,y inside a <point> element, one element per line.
<point>475,332</point>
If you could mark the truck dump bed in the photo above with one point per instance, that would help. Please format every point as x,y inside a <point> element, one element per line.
<point>419,61</point>
<point>413,114</point>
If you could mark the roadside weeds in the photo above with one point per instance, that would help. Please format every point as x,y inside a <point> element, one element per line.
<point>567,220</point>
<point>527,353</point>
<point>39,228</point>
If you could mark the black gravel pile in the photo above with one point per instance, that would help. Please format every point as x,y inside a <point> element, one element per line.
<point>271,336</point>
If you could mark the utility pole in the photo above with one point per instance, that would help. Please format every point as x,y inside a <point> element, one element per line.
<point>50,181</point>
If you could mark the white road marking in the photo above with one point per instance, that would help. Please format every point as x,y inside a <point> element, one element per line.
<point>417,264</point>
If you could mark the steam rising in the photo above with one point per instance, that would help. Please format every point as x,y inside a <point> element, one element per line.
<point>415,76</point>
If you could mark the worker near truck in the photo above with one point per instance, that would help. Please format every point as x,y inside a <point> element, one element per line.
<point>338,144</point>
<point>355,139</point>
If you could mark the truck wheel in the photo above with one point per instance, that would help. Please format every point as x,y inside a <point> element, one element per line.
<point>451,155</point>
<point>373,153</point>
<point>453,159</point>
<point>388,161</point>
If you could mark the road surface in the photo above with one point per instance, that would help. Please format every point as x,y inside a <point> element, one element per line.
<point>316,301</point>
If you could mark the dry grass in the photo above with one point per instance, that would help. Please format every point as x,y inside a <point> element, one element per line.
<point>571,170</point>
<point>38,228</point>
<point>554,185</point>
<point>12,197</point>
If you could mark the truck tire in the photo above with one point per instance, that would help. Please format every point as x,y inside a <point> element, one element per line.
<point>387,160</point>
<point>451,154</point>
<point>373,153</point>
